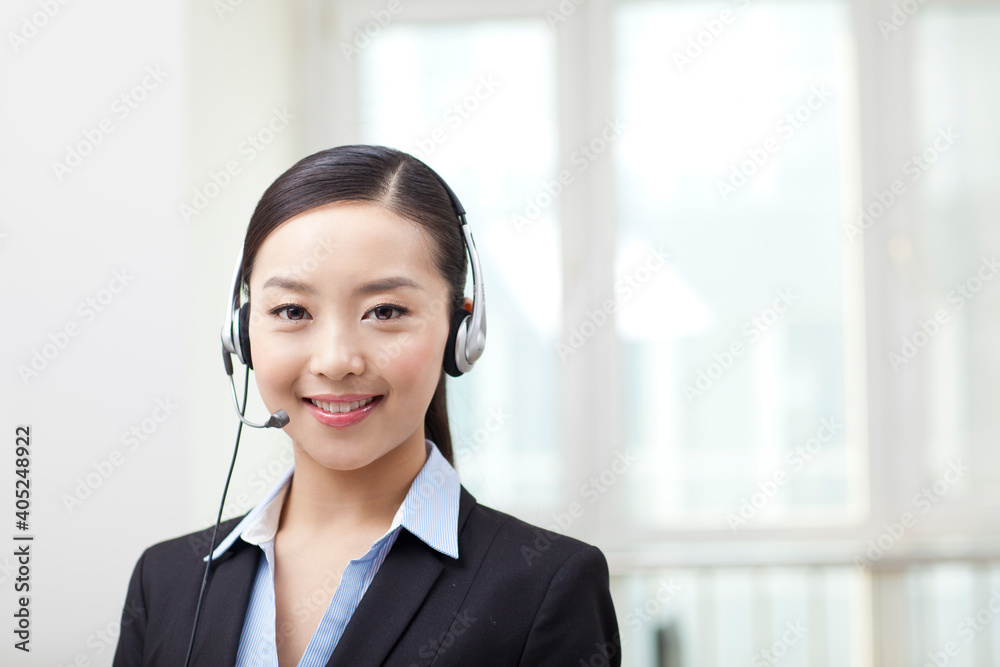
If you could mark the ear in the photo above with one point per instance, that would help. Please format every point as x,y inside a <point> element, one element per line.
<point>467,304</point>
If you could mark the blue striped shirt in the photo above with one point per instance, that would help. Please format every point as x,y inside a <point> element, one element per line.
<point>429,512</point>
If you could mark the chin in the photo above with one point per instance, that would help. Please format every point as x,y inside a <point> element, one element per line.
<point>337,455</point>
<point>344,454</point>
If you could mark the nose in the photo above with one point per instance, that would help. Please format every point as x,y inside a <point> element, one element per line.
<point>336,352</point>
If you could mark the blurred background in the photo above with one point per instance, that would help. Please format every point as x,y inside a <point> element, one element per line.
<point>739,258</point>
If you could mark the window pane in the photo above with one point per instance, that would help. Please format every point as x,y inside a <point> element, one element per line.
<point>739,347</point>
<point>951,245</point>
<point>743,616</point>
<point>954,604</point>
<point>504,413</point>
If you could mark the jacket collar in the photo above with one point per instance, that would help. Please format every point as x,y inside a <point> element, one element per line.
<point>429,510</point>
<point>391,601</point>
<point>219,627</point>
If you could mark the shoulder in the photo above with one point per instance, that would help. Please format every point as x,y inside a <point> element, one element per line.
<point>181,555</point>
<point>547,594</point>
<point>520,547</point>
<point>165,586</point>
<point>168,575</point>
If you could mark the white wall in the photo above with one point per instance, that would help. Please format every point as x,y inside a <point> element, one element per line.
<point>62,240</point>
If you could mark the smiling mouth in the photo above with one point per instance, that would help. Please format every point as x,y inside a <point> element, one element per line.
<point>339,408</point>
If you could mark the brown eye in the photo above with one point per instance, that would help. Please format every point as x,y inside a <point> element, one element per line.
<point>292,313</point>
<point>387,312</point>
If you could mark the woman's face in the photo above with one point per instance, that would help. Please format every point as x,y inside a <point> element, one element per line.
<point>347,331</point>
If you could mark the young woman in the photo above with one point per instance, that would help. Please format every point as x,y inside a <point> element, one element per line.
<point>368,551</point>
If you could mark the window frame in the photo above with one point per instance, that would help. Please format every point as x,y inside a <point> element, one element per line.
<point>883,411</point>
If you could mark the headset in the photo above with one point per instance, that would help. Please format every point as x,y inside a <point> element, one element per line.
<point>465,345</point>
<point>466,339</point>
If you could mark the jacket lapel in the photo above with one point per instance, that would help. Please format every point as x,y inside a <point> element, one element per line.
<point>229,586</point>
<point>391,601</point>
<point>394,597</point>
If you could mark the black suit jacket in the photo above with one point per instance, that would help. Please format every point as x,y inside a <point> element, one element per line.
<point>516,595</point>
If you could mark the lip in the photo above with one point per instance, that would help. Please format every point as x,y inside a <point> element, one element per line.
<point>340,398</point>
<point>341,419</point>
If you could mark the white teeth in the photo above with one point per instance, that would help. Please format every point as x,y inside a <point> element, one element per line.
<point>341,407</point>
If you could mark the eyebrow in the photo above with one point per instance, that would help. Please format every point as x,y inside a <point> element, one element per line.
<point>289,284</point>
<point>384,285</point>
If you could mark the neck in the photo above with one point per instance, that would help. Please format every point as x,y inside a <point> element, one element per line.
<point>321,499</point>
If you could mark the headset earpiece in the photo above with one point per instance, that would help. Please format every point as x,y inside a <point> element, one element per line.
<point>456,339</point>
<point>467,338</point>
<point>244,335</point>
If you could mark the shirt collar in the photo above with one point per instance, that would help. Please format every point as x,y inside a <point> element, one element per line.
<point>429,511</point>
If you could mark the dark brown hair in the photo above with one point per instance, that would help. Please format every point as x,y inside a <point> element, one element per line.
<point>388,178</point>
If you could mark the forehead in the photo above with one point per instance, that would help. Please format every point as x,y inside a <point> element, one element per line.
<point>345,241</point>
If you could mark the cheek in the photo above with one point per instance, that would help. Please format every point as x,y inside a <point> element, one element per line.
<point>275,365</point>
<point>415,371</point>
